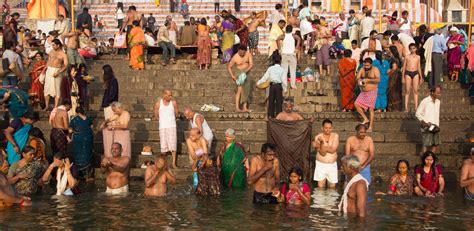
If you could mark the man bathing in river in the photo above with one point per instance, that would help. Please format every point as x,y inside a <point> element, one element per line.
<point>156,177</point>
<point>244,62</point>
<point>117,168</point>
<point>265,175</point>
<point>354,198</point>
<point>326,144</point>
<point>467,177</point>
<point>361,146</point>
<point>59,121</point>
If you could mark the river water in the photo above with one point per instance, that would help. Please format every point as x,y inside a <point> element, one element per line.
<point>233,210</point>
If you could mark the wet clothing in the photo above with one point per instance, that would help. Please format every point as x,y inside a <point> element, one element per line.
<point>429,181</point>
<point>208,182</point>
<point>291,197</point>
<point>82,141</point>
<point>402,187</point>
<point>264,198</point>
<point>233,168</point>
<point>58,140</point>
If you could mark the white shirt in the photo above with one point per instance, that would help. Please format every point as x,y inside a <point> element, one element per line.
<point>275,74</point>
<point>366,26</point>
<point>275,17</point>
<point>167,115</point>
<point>288,47</point>
<point>150,41</point>
<point>342,28</point>
<point>428,111</point>
<point>206,130</point>
<point>119,14</point>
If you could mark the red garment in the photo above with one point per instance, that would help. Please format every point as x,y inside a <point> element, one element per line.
<point>347,70</point>
<point>426,179</point>
<point>37,88</point>
<point>243,34</point>
<point>470,57</point>
<point>291,196</point>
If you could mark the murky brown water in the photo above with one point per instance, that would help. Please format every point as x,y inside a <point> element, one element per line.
<point>233,210</point>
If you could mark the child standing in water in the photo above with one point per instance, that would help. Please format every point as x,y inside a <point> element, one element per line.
<point>208,176</point>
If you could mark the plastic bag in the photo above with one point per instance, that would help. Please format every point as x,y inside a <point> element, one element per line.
<point>120,41</point>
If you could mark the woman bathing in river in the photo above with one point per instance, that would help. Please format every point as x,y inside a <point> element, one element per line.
<point>295,192</point>
<point>429,176</point>
<point>402,182</point>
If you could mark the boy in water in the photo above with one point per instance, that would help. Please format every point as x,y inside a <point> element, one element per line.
<point>412,77</point>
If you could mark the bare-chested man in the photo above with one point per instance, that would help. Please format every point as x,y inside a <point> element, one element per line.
<point>411,73</point>
<point>117,168</point>
<point>354,198</point>
<point>131,16</point>
<point>156,177</point>
<point>73,56</point>
<point>288,114</point>
<point>253,32</point>
<point>244,62</point>
<point>173,30</point>
<point>368,80</point>
<point>8,197</point>
<point>197,145</point>
<point>326,144</point>
<point>264,175</point>
<point>57,64</point>
<point>59,120</point>
<point>361,146</point>
<point>466,180</point>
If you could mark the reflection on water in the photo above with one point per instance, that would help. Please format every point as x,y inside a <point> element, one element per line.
<point>233,210</point>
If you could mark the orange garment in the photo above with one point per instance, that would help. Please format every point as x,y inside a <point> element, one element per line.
<point>39,147</point>
<point>136,40</point>
<point>347,69</point>
<point>203,45</point>
<point>42,9</point>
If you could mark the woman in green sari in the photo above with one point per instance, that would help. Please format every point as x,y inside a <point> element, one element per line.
<point>233,161</point>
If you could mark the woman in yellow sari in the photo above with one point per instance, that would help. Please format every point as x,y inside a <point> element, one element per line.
<point>136,39</point>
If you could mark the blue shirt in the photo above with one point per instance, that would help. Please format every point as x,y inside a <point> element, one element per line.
<point>439,44</point>
<point>274,74</point>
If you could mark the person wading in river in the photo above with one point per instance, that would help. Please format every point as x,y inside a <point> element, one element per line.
<point>361,146</point>
<point>467,177</point>
<point>117,168</point>
<point>265,175</point>
<point>354,198</point>
<point>156,177</point>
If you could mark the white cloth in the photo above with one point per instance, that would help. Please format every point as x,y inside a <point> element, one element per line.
<point>428,111</point>
<point>61,179</point>
<point>206,130</point>
<point>366,26</point>
<point>167,117</point>
<point>428,49</point>
<point>326,171</point>
<point>52,85</point>
<point>343,204</point>
<point>288,47</point>
<point>406,40</point>
<point>116,191</point>
<point>150,41</point>
<point>119,14</point>
<point>172,36</point>
<point>305,27</point>
<point>275,17</point>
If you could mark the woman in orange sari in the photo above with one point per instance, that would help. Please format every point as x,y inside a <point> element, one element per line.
<point>347,70</point>
<point>136,39</point>
<point>37,87</point>
<point>203,45</point>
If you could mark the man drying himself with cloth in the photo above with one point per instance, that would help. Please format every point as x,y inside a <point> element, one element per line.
<point>117,168</point>
<point>361,146</point>
<point>288,114</point>
<point>244,62</point>
<point>57,64</point>
<point>59,121</point>
<point>265,175</point>
<point>368,80</point>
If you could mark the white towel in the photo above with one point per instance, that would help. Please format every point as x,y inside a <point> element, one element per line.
<point>343,203</point>
<point>428,46</point>
<point>61,181</point>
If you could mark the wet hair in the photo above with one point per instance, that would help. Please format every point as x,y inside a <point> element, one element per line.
<point>298,172</point>
<point>351,161</point>
<point>402,161</point>
<point>368,60</point>
<point>327,121</point>
<point>108,75</point>
<point>289,29</point>
<point>27,149</point>
<point>360,127</point>
<point>136,23</point>
<point>36,132</point>
<point>433,166</point>
<point>347,53</point>
<point>59,155</point>
<point>80,110</point>
<point>412,45</point>
<point>267,147</point>
<point>354,42</point>
<point>242,48</point>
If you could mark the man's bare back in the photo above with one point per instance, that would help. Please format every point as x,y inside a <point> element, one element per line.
<point>352,197</point>
<point>60,120</point>
<point>292,116</point>
<point>467,175</point>
<point>56,58</point>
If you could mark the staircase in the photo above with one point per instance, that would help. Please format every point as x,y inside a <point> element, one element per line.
<point>396,134</point>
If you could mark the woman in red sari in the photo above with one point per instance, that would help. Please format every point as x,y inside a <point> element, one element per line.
<point>454,53</point>
<point>347,80</point>
<point>37,87</point>
<point>136,40</point>
<point>203,45</point>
